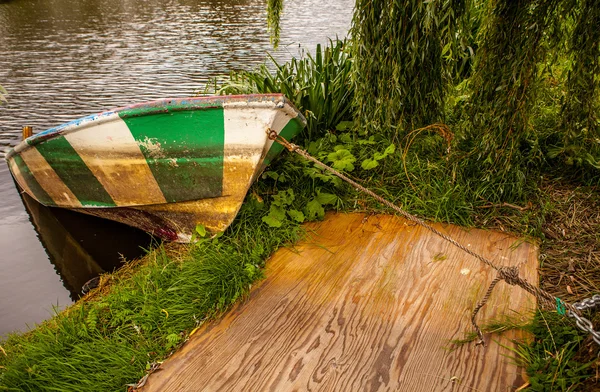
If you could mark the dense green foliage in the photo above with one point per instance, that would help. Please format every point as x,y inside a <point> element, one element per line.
<point>501,139</point>
<point>580,125</point>
<point>550,359</point>
<point>319,85</point>
<point>506,123</point>
<point>400,72</point>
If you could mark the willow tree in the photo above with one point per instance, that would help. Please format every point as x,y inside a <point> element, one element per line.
<point>274,10</point>
<point>580,122</point>
<point>399,67</point>
<point>506,73</point>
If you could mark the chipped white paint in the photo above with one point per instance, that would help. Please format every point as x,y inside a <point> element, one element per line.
<point>465,271</point>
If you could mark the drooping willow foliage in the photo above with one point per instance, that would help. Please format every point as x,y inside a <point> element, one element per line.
<point>503,88</point>
<point>581,110</point>
<point>407,54</point>
<point>399,68</point>
<point>274,10</point>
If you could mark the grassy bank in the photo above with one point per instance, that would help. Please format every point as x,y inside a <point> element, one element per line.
<point>140,313</point>
<point>143,312</point>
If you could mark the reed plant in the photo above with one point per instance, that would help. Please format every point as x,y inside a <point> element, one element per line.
<point>319,85</point>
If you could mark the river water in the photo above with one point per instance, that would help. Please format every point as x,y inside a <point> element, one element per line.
<point>63,59</point>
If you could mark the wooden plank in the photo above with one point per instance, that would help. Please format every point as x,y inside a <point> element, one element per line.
<point>367,303</point>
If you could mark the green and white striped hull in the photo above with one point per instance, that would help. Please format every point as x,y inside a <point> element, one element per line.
<point>163,166</point>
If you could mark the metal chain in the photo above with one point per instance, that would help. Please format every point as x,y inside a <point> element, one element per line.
<point>583,323</point>
<point>509,274</point>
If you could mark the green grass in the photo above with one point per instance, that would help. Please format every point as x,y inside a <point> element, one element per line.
<point>551,357</point>
<point>146,310</point>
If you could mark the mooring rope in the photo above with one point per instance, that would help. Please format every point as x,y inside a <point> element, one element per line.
<point>509,274</point>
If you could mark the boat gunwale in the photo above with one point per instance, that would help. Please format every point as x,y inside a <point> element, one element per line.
<point>165,105</point>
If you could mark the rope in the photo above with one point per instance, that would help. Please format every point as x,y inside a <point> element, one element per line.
<point>508,274</point>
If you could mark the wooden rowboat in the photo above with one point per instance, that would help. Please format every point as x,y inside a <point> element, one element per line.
<point>163,166</point>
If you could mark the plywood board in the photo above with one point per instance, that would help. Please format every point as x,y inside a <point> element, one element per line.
<point>364,303</point>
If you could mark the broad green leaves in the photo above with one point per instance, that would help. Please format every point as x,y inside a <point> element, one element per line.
<point>314,210</point>
<point>369,164</point>
<point>201,230</point>
<point>296,215</point>
<point>342,159</point>
<point>280,209</point>
<point>326,198</point>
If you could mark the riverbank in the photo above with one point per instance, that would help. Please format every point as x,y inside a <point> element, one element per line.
<point>140,314</point>
<point>63,60</point>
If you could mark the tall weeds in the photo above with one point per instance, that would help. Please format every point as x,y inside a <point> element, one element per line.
<point>319,85</point>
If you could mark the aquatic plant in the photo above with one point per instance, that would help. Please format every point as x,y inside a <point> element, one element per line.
<point>319,85</point>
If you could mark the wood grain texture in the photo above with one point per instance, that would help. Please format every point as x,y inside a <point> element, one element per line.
<point>366,303</point>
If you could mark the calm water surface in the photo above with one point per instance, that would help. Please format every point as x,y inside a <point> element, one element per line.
<point>62,59</point>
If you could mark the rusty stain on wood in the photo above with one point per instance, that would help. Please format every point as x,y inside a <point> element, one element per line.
<point>366,303</point>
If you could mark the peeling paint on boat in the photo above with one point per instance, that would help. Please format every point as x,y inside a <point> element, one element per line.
<point>153,147</point>
<point>162,166</point>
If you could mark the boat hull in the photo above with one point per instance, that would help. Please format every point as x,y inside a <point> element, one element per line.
<point>164,166</point>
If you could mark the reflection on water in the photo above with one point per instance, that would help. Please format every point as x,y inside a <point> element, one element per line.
<point>76,244</point>
<point>63,59</point>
